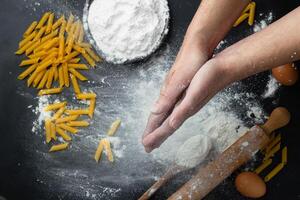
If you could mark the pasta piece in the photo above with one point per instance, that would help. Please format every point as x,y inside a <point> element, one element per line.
<point>247,8</point>
<point>52,43</point>
<point>75,84</point>
<point>32,77</point>
<point>84,96</point>
<point>50,78</point>
<point>45,64</point>
<point>93,54</point>
<point>70,21</point>
<point>70,45</point>
<point>74,61</point>
<point>24,48</point>
<point>81,34</point>
<point>108,150</point>
<point>59,113</point>
<point>78,75</point>
<point>29,62</point>
<point>66,119</point>
<point>77,30</point>
<point>61,48</point>
<point>85,45</point>
<point>99,151</point>
<point>275,171</point>
<point>39,34</point>
<point>59,147</point>
<point>49,23</point>
<point>58,22</point>
<point>38,78</point>
<point>92,107</point>
<point>61,76</point>
<point>55,106</point>
<point>38,54</point>
<point>30,29</point>
<point>70,56</point>
<point>32,47</point>
<point>272,152</point>
<point>54,66</point>
<point>43,20</point>
<point>53,131</point>
<point>66,74</point>
<point>89,59</point>
<point>114,127</point>
<point>48,130</point>
<point>78,123</point>
<point>241,19</point>
<point>77,112</point>
<point>284,155</point>
<point>63,134</point>
<point>251,13</point>
<point>62,29</point>
<point>49,36</point>
<point>273,143</point>
<point>27,39</point>
<point>27,72</point>
<point>44,80</point>
<point>263,166</point>
<point>50,91</point>
<point>78,48</point>
<point>68,128</point>
<point>78,66</point>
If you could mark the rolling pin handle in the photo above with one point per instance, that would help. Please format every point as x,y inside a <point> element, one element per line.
<point>278,119</point>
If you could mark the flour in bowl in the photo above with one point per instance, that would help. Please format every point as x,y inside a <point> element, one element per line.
<point>126,30</point>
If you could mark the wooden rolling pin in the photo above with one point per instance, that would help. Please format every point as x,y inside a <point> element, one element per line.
<point>208,177</point>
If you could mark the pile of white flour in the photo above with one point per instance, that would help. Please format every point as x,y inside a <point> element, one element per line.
<point>128,30</point>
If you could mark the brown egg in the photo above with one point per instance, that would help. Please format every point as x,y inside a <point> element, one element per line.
<point>250,185</point>
<point>286,74</point>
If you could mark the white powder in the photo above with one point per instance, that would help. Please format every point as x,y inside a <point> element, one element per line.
<point>272,87</point>
<point>193,151</point>
<point>39,111</point>
<point>126,30</point>
<point>258,26</point>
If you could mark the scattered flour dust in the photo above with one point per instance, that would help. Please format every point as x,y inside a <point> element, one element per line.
<point>127,30</point>
<point>272,87</point>
<point>193,151</point>
<point>268,19</point>
<point>39,111</point>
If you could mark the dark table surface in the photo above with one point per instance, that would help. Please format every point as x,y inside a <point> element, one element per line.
<point>20,179</point>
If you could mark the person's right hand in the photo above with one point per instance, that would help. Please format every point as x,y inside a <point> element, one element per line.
<point>192,55</point>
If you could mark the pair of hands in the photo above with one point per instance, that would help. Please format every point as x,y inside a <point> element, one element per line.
<point>192,81</point>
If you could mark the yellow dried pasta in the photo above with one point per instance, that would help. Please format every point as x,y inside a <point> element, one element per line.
<point>63,134</point>
<point>77,112</point>
<point>53,131</point>
<point>50,91</point>
<point>108,150</point>
<point>99,151</point>
<point>30,28</point>
<point>27,39</point>
<point>49,23</point>
<point>251,13</point>
<point>66,74</point>
<point>272,151</point>
<point>263,166</point>
<point>27,72</point>
<point>75,84</point>
<point>78,123</point>
<point>274,172</point>
<point>84,96</point>
<point>77,74</point>
<point>284,155</point>
<point>114,127</point>
<point>58,22</point>
<point>78,66</point>
<point>59,147</point>
<point>66,119</point>
<point>61,76</point>
<point>43,20</point>
<point>55,106</point>
<point>59,113</point>
<point>29,62</point>
<point>92,107</point>
<point>68,128</point>
<point>48,130</point>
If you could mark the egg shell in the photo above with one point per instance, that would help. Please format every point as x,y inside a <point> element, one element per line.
<point>250,185</point>
<point>286,74</point>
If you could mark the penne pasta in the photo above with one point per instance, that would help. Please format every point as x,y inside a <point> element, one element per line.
<point>74,61</point>
<point>62,29</point>
<point>54,66</point>
<point>274,172</point>
<point>78,66</point>
<point>32,47</point>
<point>61,48</point>
<point>93,54</point>
<point>48,130</point>
<point>69,23</point>
<point>99,151</point>
<point>61,76</point>
<point>241,19</point>
<point>27,39</point>
<point>27,72</point>
<point>251,13</point>
<point>114,127</point>
<point>38,55</point>
<point>68,128</point>
<point>284,155</point>
<point>52,43</point>
<point>39,34</point>
<point>108,150</point>
<point>92,107</point>
<point>85,45</point>
<point>75,84</point>
<point>84,96</point>
<point>70,45</point>
<point>29,62</point>
<point>24,48</point>
<point>49,23</point>
<point>50,78</point>
<point>273,143</point>
<point>77,30</point>
<point>66,74</point>
<point>81,34</point>
<point>58,22</point>
<point>59,113</point>
<point>38,78</point>
<point>43,20</point>
<point>44,65</point>
<point>55,106</point>
<point>30,29</point>
<point>66,119</point>
<point>247,8</point>
<point>78,48</point>
<point>63,134</point>
<point>78,123</point>
<point>59,147</point>
<point>77,112</point>
<point>70,56</point>
<point>44,80</point>
<point>89,59</point>
<point>77,74</point>
<point>32,77</point>
<point>263,166</point>
<point>272,152</point>
<point>53,131</point>
<point>50,91</point>
<point>49,36</point>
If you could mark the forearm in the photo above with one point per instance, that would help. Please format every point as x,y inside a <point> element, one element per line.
<point>213,19</point>
<point>276,45</point>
